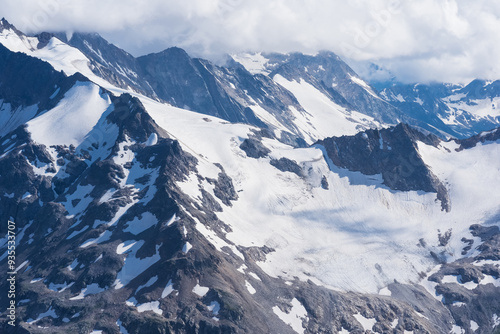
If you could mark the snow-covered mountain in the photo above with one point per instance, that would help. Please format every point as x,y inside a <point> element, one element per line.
<point>459,111</point>
<point>275,194</point>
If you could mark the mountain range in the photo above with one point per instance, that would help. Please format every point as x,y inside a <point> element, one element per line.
<point>277,193</point>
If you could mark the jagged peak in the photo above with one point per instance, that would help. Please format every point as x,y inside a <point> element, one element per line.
<point>4,24</point>
<point>132,118</point>
<point>485,136</point>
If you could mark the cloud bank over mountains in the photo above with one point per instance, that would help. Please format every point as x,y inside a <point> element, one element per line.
<point>424,40</point>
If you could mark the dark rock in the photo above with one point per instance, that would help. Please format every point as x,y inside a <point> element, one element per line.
<point>324,183</point>
<point>254,148</point>
<point>391,152</point>
<point>287,165</point>
<point>490,136</point>
<point>444,238</point>
<point>224,188</point>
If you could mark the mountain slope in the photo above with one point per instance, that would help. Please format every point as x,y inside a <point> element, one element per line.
<point>461,111</point>
<point>107,61</point>
<point>330,74</point>
<point>28,87</point>
<point>135,216</point>
<point>134,198</point>
<point>229,92</point>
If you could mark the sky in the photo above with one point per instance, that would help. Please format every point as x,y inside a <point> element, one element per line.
<point>409,40</point>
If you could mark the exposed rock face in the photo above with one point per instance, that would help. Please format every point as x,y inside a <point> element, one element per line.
<point>287,165</point>
<point>230,91</point>
<point>87,283</point>
<point>488,136</point>
<point>187,82</point>
<point>466,285</point>
<point>191,83</point>
<point>122,232</point>
<point>327,72</point>
<point>393,153</point>
<point>108,61</point>
<point>254,149</point>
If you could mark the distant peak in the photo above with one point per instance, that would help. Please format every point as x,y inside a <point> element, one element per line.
<point>4,24</point>
<point>175,49</point>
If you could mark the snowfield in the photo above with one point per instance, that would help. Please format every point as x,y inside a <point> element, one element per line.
<point>73,118</point>
<point>356,236</point>
<point>323,118</point>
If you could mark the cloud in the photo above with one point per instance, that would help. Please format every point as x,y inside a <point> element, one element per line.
<point>416,40</point>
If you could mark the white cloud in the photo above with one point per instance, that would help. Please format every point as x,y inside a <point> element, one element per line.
<point>447,40</point>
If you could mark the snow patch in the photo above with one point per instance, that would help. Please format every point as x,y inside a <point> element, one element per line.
<point>253,63</point>
<point>254,275</point>
<point>150,282</point>
<point>385,292</point>
<point>200,290</point>
<point>214,307</point>
<point>122,329</point>
<point>242,268</point>
<point>151,306</point>
<point>139,225</point>
<point>75,233</point>
<point>60,287</point>
<point>26,195</point>
<point>168,289</point>
<point>458,279</point>
<point>152,140</point>
<point>187,246</point>
<point>215,240</point>
<point>172,220</point>
<point>104,236</point>
<point>250,288</point>
<point>50,313</point>
<point>496,320</point>
<point>91,289</point>
<point>365,322</point>
<point>21,266</point>
<point>107,196</point>
<point>294,319</point>
<point>457,330</point>
<point>134,266</point>
<point>488,279</point>
<point>474,326</point>
<point>73,265</point>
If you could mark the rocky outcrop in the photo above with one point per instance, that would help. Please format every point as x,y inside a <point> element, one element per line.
<point>483,137</point>
<point>391,152</point>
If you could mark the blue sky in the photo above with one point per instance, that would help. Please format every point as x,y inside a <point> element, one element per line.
<point>414,40</point>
